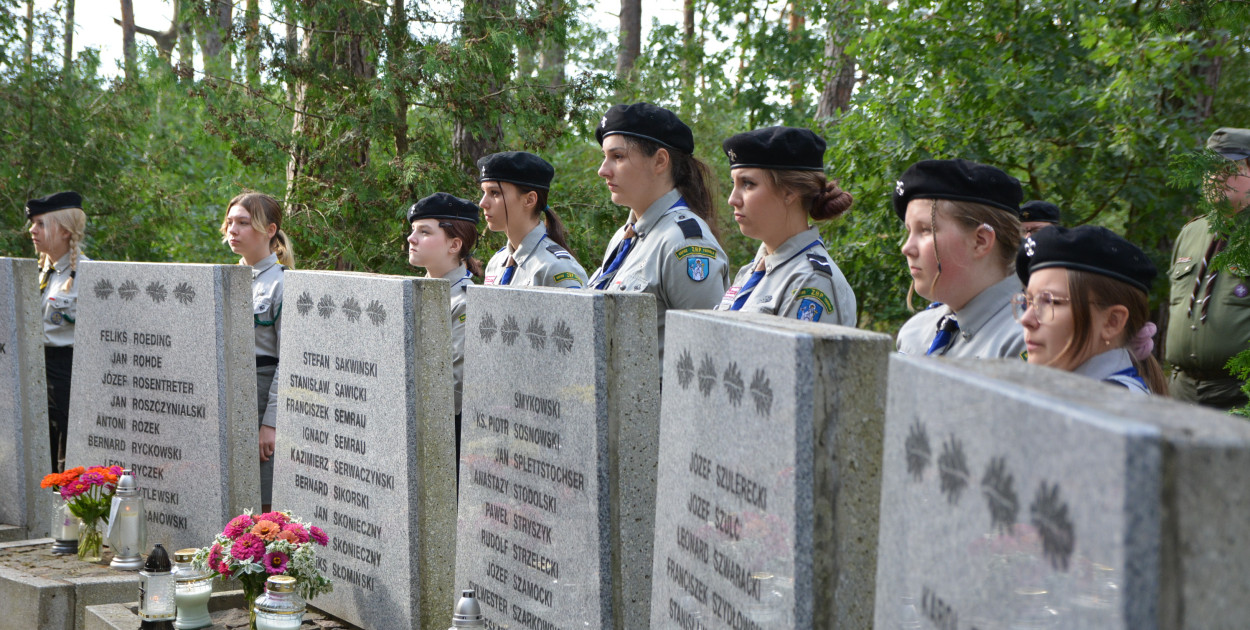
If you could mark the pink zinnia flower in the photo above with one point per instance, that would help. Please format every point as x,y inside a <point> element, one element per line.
<point>319,536</point>
<point>298,530</point>
<point>93,478</point>
<point>248,547</point>
<point>237,526</point>
<point>276,517</point>
<point>75,488</point>
<point>214,558</point>
<point>275,562</point>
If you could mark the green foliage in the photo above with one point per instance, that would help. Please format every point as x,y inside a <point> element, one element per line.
<point>1083,101</point>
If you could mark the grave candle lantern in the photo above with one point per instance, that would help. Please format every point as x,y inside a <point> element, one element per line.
<point>64,527</point>
<point>468,613</point>
<point>156,592</point>
<point>128,532</point>
<point>192,590</point>
<point>279,608</point>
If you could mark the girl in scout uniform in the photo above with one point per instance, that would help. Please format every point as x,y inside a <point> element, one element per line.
<point>253,230</point>
<point>514,200</point>
<point>1085,307</point>
<point>444,231</point>
<point>779,183</point>
<point>963,229</point>
<point>57,225</point>
<point>667,246</point>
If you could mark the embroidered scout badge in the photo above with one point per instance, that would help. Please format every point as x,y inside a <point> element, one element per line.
<point>697,267</point>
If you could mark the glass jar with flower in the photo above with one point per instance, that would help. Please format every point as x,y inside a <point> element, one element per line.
<point>88,494</point>
<point>253,547</point>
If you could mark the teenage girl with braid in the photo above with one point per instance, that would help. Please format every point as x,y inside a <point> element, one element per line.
<point>57,224</point>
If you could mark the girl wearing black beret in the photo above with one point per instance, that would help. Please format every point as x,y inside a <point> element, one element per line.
<point>779,183</point>
<point>514,201</point>
<point>57,226</point>
<point>444,231</point>
<point>963,228</point>
<point>253,230</point>
<point>1085,308</point>
<point>667,246</point>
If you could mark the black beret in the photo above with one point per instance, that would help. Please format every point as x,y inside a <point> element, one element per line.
<point>444,206</point>
<point>1089,248</point>
<point>1230,142</point>
<point>781,148</point>
<point>649,122</point>
<point>1040,211</point>
<point>516,167</point>
<point>957,180</point>
<point>55,201</point>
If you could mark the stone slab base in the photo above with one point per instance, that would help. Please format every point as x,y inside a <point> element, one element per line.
<point>225,607</point>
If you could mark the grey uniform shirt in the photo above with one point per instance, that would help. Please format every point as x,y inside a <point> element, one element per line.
<point>460,278</point>
<point>540,262</point>
<point>800,281</point>
<point>267,319</point>
<point>987,329</point>
<point>60,305</point>
<point>1107,366</point>
<point>674,257</point>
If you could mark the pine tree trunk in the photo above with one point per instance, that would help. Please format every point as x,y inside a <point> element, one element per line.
<point>128,39</point>
<point>631,38</point>
<point>215,20</point>
<point>29,55</point>
<point>474,134</point>
<point>252,45</point>
<point>551,64</point>
<point>183,23</point>
<point>397,47</point>
<point>839,74</point>
<point>68,56</point>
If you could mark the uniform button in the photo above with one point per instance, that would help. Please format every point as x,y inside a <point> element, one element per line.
<point>1193,327</point>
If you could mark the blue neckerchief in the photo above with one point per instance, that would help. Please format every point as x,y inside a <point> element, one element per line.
<point>756,276</point>
<point>622,250</point>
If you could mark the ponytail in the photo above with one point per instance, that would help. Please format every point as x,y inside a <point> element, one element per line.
<point>281,245</point>
<point>555,227</point>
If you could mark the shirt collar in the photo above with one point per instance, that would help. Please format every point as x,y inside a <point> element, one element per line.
<point>657,209</point>
<point>61,263</point>
<point>529,243</point>
<point>456,275</point>
<point>264,264</point>
<point>1102,365</point>
<point>988,303</point>
<point>789,249</point>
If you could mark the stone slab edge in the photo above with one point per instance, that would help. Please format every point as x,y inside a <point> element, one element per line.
<point>633,432</point>
<point>34,395</point>
<point>1202,578</point>
<point>433,539</point>
<point>236,375</point>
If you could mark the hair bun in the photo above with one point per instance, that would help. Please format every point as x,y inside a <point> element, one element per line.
<point>831,203</point>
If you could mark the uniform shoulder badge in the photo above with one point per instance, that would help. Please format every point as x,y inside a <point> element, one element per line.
<point>564,275</point>
<point>698,268</point>
<point>814,295</point>
<point>819,263</point>
<point>695,250</point>
<point>690,228</point>
<point>809,310</point>
<point>559,252</point>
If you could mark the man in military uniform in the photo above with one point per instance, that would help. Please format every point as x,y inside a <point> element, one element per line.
<point>1210,307</point>
<point>1035,215</point>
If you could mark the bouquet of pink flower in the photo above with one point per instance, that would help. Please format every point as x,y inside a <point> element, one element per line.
<point>89,494</point>
<point>253,547</point>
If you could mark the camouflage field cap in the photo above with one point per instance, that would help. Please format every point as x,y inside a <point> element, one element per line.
<point>1230,142</point>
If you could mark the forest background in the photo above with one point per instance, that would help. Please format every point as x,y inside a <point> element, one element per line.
<point>351,110</point>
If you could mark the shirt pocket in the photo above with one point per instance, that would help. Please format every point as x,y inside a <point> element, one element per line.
<point>262,312</point>
<point>634,283</point>
<point>64,309</point>
<point>1183,276</point>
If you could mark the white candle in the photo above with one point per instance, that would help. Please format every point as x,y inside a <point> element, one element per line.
<point>278,622</point>
<point>192,603</point>
<point>126,531</point>
<point>69,529</point>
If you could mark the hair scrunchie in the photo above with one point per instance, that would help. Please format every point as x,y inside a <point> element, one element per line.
<point>1143,343</point>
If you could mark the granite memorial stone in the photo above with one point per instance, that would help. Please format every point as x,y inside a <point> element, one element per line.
<point>164,384</point>
<point>1023,497</point>
<point>365,441</point>
<point>769,473</point>
<point>557,478</point>
<point>24,401</point>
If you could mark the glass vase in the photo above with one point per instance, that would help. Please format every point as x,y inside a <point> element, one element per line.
<point>251,590</point>
<point>91,540</point>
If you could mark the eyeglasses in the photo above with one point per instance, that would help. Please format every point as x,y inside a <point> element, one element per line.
<point>1042,305</point>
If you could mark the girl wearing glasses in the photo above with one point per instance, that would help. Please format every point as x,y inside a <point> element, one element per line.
<point>1085,308</point>
<point>963,229</point>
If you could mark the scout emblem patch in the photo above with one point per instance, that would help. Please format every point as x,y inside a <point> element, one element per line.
<point>1241,291</point>
<point>57,318</point>
<point>697,267</point>
<point>809,310</point>
<point>812,304</point>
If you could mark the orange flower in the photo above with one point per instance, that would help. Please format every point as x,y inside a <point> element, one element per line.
<point>289,537</point>
<point>267,530</point>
